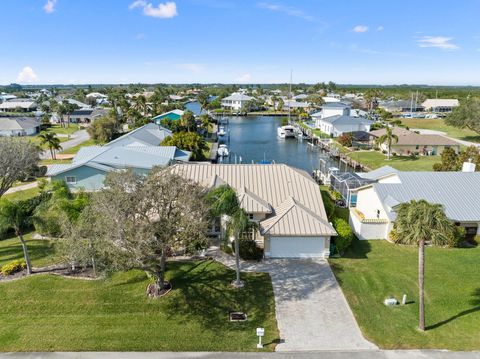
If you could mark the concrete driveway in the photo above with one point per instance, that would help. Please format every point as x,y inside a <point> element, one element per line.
<point>312,312</point>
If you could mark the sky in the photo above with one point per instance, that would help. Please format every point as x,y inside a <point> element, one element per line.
<point>435,42</point>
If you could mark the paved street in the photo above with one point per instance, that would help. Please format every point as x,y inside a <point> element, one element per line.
<point>378,354</point>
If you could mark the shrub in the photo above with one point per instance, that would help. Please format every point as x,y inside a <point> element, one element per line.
<point>458,238</point>
<point>345,235</point>
<point>13,267</point>
<point>329,206</point>
<point>249,250</point>
<point>345,140</point>
<point>476,239</point>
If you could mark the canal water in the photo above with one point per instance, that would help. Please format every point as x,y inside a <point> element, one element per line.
<point>254,139</point>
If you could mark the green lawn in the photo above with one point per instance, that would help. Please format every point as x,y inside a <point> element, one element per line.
<point>439,125</point>
<point>51,313</point>
<point>74,150</point>
<point>72,128</point>
<point>375,159</point>
<point>42,251</point>
<point>21,195</point>
<point>374,270</point>
<point>49,161</point>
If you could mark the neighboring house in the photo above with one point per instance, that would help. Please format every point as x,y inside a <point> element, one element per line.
<point>377,203</point>
<point>173,115</point>
<point>285,202</point>
<point>96,95</point>
<point>18,105</point>
<point>440,104</point>
<point>411,142</point>
<point>85,115</point>
<point>147,135</point>
<point>236,101</point>
<point>19,126</point>
<point>332,109</point>
<point>5,97</point>
<point>400,106</point>
<point>92,163</point>
<point>336,125</point>
<point>300,97</point>
<point>293,104</point>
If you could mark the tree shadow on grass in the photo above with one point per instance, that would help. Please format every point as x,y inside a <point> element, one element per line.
<point>475,301</point>
<point>358,250</point>
<point>204,294</point>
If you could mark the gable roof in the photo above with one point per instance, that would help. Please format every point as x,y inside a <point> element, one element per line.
<point>378,173</point>
<point>150,134</point>
<point>294,219</point>
<point>267,187</point>
<point>440,102</point>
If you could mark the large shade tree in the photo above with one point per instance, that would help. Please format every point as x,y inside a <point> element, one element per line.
<point>145,219</point>
<point>19,160</point>
<point>420,223</point>
<point>467,115</point>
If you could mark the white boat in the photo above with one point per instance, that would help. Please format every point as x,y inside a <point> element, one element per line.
<point>286,131</point>
<point>223,150</point>
<point>221,131</point>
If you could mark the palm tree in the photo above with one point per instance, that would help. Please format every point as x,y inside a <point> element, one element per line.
<point>224,202</point>
<point>389,138</point>
<point>419,223</point>
<point>52,141</point>
<point>12,214</point>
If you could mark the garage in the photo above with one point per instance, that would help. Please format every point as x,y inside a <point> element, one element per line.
<point>296,247</point>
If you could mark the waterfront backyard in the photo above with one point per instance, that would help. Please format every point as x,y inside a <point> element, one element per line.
<point>374,270</point>
<point>374,159</point>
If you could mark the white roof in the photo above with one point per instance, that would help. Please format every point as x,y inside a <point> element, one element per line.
<point>440,102</point>
<point>238,97</point>
<point>18,123</point>
<point>289,196</point>
<point>12,104</point>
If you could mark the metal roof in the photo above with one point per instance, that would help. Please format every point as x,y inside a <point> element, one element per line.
<point>378,173</point>
<point>273,185</point>
<point>150,134</point>
<point>458,192</point>
<point>346,120</point>
<point>238,97</point>
<point>144,157</point>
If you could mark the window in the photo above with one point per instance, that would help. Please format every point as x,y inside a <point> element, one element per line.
<point>71,179</point>
<point>378,213</point>
<point>250,216</point>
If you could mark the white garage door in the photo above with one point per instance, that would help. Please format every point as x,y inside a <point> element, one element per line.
<point>296,247</point>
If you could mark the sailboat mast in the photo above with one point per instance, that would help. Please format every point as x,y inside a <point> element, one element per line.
<point>290,96</point>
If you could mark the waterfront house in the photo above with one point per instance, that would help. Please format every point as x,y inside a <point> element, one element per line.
<point>440,104</point>
<point>236,101</point>
<point>92,163</point>
<point>332,109</point>
<point>338,124</point>
<point>173,115</point>
<point>19,126</point>
<point>377,202</point>
<point>18,105</point>
<point>411,142</point>
<point>285,202</point>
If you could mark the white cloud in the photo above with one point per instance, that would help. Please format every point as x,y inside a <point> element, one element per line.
<point>291,11</point>
<point>244,78</point>
<point>27,75</point>
<point>380,28</point>
<point>360,28</point>
<point>440,42</point>
<point>191,67</point>
<point>165,11</point>
<point>49,6</point>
